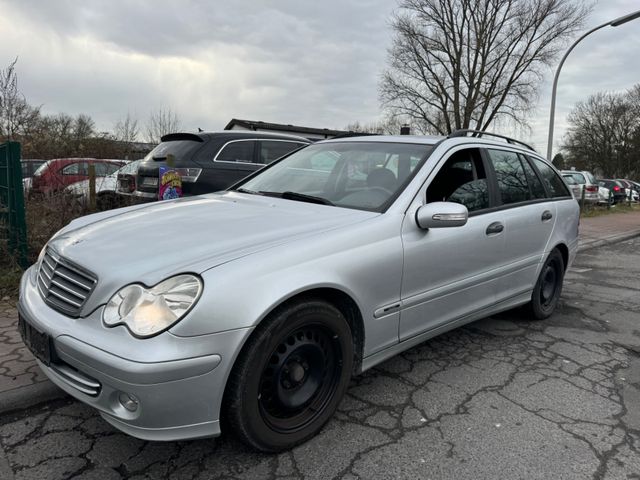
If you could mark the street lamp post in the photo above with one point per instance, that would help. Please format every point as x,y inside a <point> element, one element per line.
<point>614,23</point>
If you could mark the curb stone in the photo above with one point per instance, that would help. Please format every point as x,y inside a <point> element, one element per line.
<point>27,396</point>
<point>609,240</point>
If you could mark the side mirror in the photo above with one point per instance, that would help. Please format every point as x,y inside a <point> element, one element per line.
<point>441,215</point>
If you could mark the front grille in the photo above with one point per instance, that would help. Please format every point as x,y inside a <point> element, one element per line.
<point>63,285</point>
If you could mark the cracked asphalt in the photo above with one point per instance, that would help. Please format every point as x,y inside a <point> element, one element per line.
<point>501,398</point>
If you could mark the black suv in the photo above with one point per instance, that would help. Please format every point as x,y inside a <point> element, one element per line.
<point>209,162</point>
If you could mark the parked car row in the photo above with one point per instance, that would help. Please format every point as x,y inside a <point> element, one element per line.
<point>621,190</point>
<point>105,187</point>
<point>600,190</point>
<point>56,175</point>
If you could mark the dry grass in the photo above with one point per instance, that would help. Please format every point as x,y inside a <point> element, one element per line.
<point>45,215</point>
<point>599,210</point>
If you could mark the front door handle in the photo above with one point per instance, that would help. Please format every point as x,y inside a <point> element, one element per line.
<point>546,216</point>
<point>494,228</point>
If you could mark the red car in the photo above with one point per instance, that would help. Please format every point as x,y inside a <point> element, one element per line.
<point>59,173</point>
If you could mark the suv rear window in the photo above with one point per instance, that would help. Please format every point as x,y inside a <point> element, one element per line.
<point>578,177</point>
<point>177,149</point>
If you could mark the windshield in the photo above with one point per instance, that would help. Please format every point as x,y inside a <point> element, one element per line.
<point>366,176</point>
<point>130,168</point>
<point>41,169</point>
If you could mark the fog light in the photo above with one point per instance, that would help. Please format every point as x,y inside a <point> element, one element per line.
<point>128,401</point>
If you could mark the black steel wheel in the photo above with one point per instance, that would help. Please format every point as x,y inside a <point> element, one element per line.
<point>548,288</point>
<point>290,376</point>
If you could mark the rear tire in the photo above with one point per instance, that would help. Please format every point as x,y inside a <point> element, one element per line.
<point>290,376</point>
<point>548,288</point>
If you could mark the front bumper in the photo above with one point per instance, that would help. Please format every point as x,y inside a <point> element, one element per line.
<point>178,381</point>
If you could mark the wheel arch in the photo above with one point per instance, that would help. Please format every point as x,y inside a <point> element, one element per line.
<point>335,297</point>
<point>564,251</point>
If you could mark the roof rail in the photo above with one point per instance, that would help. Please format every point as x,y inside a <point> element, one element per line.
<point>354,134</point>
<point>480,133</point>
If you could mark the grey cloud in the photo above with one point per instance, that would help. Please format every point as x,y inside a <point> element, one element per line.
<point>313,63</point>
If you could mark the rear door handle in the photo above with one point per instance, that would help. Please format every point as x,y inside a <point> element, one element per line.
<point>546,215</point>
<point>494,228</point>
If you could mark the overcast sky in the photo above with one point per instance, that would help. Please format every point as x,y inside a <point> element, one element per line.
<point>285,61</point>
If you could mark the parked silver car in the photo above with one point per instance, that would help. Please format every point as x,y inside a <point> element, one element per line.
<point>587,182</point>
<point>575,187</point>
<point>253,307</point>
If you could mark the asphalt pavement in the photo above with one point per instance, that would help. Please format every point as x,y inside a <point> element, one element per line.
<point>504,398</point>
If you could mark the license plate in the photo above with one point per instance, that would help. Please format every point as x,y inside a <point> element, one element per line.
<point>150,181</point>
<point>37,342</point>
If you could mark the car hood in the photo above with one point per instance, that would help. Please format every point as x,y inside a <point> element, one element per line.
<point>151,242</point>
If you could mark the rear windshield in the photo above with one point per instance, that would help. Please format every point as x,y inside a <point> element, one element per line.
<point>578,177</point>
<point>175,149</point>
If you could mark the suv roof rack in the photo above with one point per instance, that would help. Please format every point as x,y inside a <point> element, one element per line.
<point>480,133</point>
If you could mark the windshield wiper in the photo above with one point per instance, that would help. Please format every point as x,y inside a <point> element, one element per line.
<point>301,197</point>
<point>245,190</point>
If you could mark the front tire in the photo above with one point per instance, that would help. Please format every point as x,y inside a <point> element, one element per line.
<point>548,288</point>
<point>290,376</point>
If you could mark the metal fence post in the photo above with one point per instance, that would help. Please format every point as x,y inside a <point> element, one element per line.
<point>92,187</point>
<point>582,198</point>
<point>12,201</point>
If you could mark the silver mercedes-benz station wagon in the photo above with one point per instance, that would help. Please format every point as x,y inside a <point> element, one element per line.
<point>249,310</point>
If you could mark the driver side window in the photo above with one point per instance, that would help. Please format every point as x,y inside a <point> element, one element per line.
<point>462,179</point>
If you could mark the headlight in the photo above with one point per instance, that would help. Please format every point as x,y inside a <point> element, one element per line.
<point>34,271</point>
<point>148,311</point>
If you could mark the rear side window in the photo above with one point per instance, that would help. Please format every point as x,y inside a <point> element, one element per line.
<point>79,168</point>
<point>271,150</point>
<point>551,179</point>
<point>510,174</point>
<point>240,151</point>
<point>535,185</point>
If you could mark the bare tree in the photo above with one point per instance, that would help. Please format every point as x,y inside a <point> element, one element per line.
<point>16,115</point>
<point>126,130</point>
<point>603,134</point>
<point>466,63</point>
<point>161,122</point>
